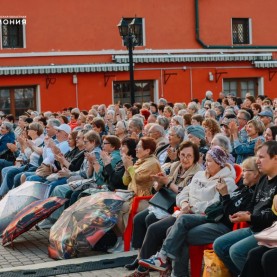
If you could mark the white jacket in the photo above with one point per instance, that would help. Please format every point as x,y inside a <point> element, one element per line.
<point>201,192</point>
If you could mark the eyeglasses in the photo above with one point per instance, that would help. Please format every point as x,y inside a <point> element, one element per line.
<point>105,143</point>
<point>187,157</point>
<point>240,118</point>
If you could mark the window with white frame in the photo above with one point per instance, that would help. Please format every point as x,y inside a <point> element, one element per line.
<point>241,32</point>
<point>13,32</point>
<point>240,86</point>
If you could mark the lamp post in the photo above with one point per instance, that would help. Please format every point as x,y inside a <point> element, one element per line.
<point>130,33</point>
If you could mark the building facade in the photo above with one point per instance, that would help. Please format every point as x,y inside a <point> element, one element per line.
<point>56,54</point>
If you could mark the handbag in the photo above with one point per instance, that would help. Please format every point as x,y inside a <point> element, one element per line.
<point>164,199</point>
<point>268,237</point>
<point>44,170</point>
<point>214,267</point>
<point>214,213</point>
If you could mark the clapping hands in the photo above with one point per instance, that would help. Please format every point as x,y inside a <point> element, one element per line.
<point>127,161</point>
<point>106,158</point>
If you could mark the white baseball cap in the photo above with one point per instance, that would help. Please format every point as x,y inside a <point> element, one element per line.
<point>64,127</point>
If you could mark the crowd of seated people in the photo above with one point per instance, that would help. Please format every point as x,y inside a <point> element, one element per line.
<point>189,149</point>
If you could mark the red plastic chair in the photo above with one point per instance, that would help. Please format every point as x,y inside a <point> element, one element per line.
<point>129,228</point>
<point>196,253</point>
<point>238,170</point>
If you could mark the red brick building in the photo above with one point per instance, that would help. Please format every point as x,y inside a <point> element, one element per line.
<point>69,53</point>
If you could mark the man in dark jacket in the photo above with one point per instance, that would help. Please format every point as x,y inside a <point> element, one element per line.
<point>233,247</point>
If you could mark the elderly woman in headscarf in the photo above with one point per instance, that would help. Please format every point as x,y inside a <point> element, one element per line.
<point>193,199</point>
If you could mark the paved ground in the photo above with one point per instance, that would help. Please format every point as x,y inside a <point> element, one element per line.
<point>29,252</point>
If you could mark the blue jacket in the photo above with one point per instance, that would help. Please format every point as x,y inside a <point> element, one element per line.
<point>7,138</point>
<point>101,175</point>
<point>245,150</point>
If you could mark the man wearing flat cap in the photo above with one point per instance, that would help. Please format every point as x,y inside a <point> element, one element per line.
<point>266,117</point>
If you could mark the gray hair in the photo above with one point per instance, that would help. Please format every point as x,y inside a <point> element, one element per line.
<point>220,108</point>
<point>212,113</point>
<point>8,126</point>
<point>122,113</point>
<point>209,93</point>
<point>182,112</point>
<point>163,121</point>
<point>110,111</point>
<point>229,111</point>
<point>158,128</point>
<point>223,142</point>
<point>163,101</point>
<point>47,114</point>
<point>179,131</point>
<point>215,104</point>
<point>179,119</point>
<point>53,122</point>
<point>246,114</point>
<point>180,106</point>
<point>193,106</point>
<point>87,127</point>
<point>138,122</point>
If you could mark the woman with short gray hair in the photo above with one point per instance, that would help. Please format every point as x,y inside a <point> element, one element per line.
<point>168,153</point>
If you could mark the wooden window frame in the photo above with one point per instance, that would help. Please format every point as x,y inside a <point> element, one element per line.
<point>127,83</point>
<point>12,98</point>
<point>238,89</point>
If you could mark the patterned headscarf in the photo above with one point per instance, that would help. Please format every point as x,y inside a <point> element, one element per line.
<point>219,155</point>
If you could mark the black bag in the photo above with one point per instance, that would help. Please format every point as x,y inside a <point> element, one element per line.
<point>164,199</point>
<point>214,213</point>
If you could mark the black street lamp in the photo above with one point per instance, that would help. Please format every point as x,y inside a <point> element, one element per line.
<point>130,33</point>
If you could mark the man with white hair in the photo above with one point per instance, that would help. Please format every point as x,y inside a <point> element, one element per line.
<point>177,107</point>
<point>157,132</point>
<point>192,108</point>
<point>210,114</point>
<point>162,101</point>
<point>135,128</point>
<point>102,110</point>
<point>209,96</point>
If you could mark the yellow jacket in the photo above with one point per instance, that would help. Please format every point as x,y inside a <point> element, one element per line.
<point>137,177</point>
